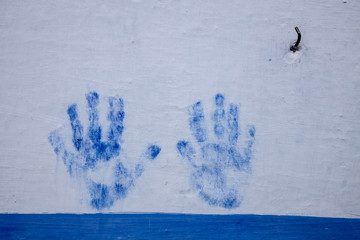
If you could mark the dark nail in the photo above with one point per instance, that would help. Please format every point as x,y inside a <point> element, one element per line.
<point>296,47</point>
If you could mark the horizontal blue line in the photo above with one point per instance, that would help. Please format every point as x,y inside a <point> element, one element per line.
<point>174,226</point>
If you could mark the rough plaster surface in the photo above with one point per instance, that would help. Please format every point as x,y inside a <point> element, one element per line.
<point>161,57</point>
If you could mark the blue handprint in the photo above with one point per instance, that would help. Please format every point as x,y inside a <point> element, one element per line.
<point>220,169</point>
<point>96,160</point>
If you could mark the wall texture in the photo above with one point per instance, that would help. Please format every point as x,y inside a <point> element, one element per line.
<point>180,106</point>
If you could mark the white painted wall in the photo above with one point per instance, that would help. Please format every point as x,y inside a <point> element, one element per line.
<point>161,57</point>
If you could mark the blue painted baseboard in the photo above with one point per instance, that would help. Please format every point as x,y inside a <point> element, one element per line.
<point>174,226</point>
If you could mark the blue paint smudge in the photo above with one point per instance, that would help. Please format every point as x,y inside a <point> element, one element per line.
<point>91,150</point>
<point>209,175</point>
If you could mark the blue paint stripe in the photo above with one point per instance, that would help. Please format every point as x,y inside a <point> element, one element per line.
<point>174,226</point>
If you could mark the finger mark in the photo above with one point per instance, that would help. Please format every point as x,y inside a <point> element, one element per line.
<point>94,127</point>
<point>59,148</point>
<point>219,116</point>
<point>219,130</point>
<point>233,124</point>
<point>187,151</point>
<point>139,169</point>
<point>116,116</point>
<point>248,150</point>
<point>124,179</point>
<point>219,100</point>
<point>92,99</point>
<point>241,163</point>
<point>152,152</point>
<point>197,122</point>
<point>56,142</point>
<point>252,131</point>
<point>76,126</point>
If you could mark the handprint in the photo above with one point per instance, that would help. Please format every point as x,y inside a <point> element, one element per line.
<point>220,169</point>
<point>96,159</point>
